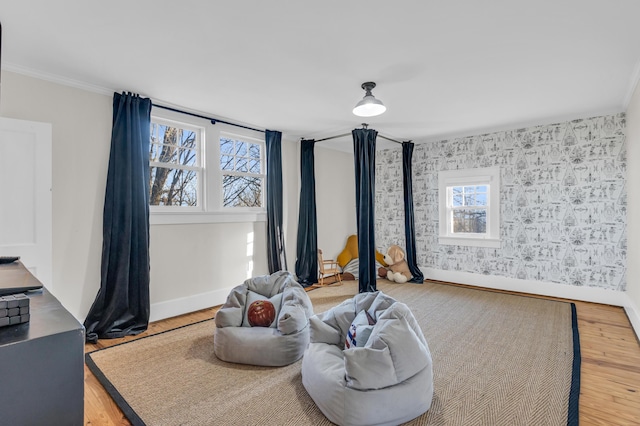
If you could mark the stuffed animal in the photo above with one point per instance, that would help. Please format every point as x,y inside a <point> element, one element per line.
<point>398,268</point>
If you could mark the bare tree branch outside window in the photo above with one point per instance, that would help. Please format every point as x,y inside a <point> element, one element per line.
<point>173,153</point>
<point>175,168</point>
<point>242,181</point>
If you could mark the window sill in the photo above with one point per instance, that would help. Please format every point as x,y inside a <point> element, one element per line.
<point>471,242</point>
<point>172,218</point>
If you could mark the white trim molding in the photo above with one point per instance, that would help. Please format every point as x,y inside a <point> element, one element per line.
<point>542,288</point>
<point>633,313</point>
<point>170,218</point>
<point>58,79</point>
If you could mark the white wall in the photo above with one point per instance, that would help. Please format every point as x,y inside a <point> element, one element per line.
<point>210,258</point>
<point>290,195</point>
<point>81,123</point>
<point>194,266</point>
<point>335,198</point>
<point>633,209</point>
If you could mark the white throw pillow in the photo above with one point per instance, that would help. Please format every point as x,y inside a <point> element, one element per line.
<point>359,331</point>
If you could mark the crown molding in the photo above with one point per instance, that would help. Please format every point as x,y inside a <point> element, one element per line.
<point>54,78</point>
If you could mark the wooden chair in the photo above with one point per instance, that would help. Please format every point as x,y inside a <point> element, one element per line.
<point>328,267</point>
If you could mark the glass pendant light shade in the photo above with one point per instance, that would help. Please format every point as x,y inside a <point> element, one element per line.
<point>369,106</point>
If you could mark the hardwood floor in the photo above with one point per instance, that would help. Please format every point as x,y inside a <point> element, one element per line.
<point>610,372</point>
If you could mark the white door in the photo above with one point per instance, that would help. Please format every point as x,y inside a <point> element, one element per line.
<point>25,195</point>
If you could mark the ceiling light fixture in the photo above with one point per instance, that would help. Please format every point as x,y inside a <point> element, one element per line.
<point>369,106</point>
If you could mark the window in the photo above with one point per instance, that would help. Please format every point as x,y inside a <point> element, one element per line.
<point>469,205</point>
<point>175,165</point>
<point>469,209</point>
<point>204,173</point>
<point>242,176</point>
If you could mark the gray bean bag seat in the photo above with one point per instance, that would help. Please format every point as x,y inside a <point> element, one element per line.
<point>283,342</point>
<point>360,373</point>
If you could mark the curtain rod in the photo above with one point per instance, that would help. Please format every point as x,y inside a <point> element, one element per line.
<point>392,140</point>
<point>333,137</point>
<point>347,134</point>
<point>213,120</point>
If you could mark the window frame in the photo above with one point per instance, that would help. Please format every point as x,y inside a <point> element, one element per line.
<point>487,176</point>
<point>211,209</point>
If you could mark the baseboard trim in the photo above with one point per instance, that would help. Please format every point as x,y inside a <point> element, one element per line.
<point>564,291</point>
<point>185,305</point>
<point>634,315</point>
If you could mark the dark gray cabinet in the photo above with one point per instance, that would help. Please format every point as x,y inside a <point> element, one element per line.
<point>42,366</point>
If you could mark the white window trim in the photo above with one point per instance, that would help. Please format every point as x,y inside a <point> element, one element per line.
<point>470,177</point>
<point>172,218</point>
<point>211,209</point>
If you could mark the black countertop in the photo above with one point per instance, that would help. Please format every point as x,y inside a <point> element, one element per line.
<point>48,317</point>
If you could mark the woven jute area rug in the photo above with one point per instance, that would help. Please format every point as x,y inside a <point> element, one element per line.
<point>498,359</point>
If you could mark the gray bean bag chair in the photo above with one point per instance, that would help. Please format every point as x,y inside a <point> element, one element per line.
<point>283,342</point>
<point>359,373</point>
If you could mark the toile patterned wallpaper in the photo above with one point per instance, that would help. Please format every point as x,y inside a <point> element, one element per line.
<point>563,202</point>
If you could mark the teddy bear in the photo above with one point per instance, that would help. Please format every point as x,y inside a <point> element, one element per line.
<point>398,270</point>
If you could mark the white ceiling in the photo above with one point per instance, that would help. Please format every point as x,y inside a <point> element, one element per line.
<point>443,69</point>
